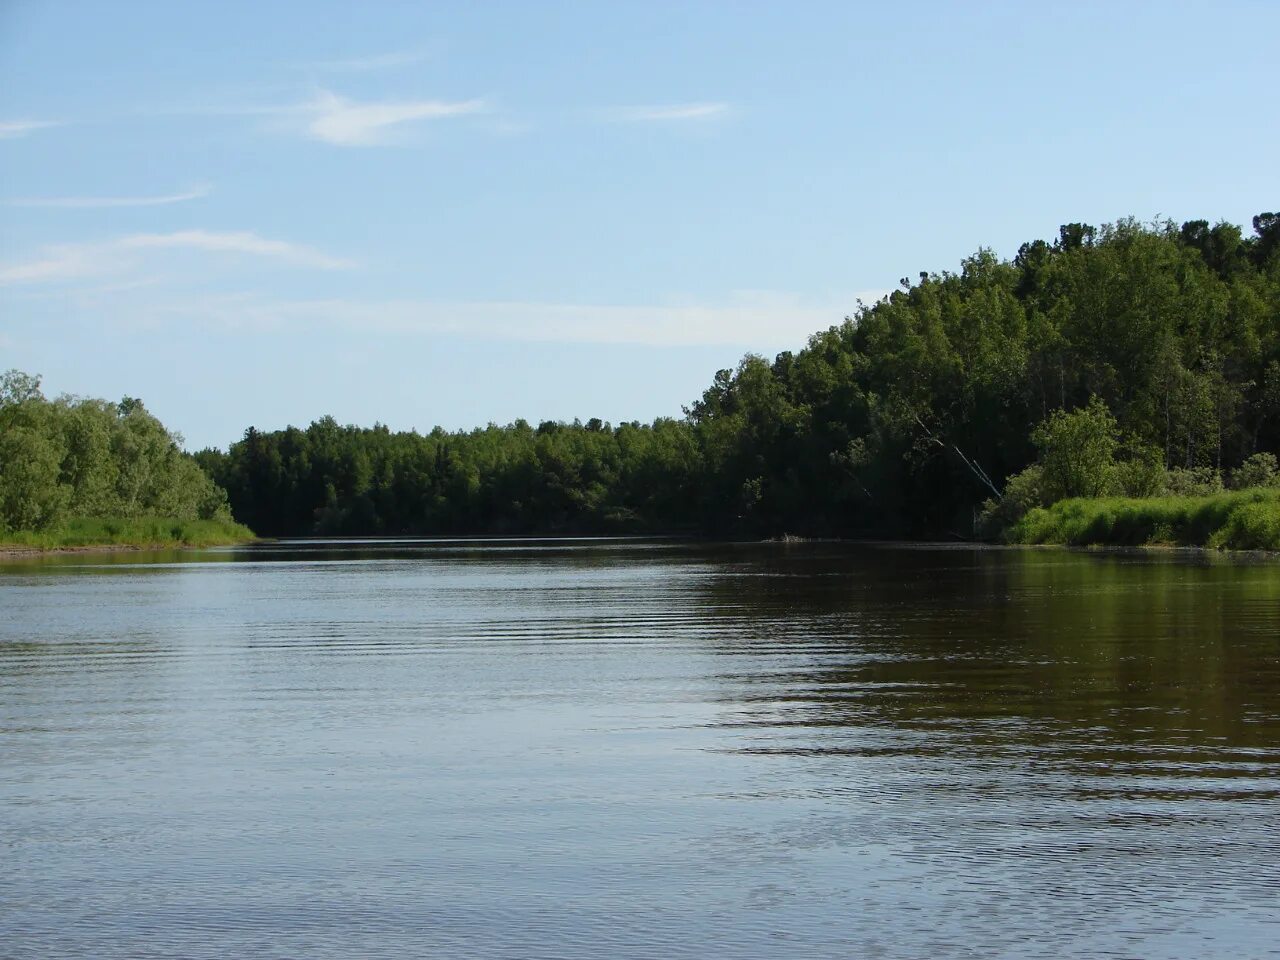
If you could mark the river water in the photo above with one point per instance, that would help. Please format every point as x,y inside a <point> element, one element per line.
<point>643,749</point>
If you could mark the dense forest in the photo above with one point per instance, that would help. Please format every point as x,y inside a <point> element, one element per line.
<point>1124,359</point>
<point>78,458</point>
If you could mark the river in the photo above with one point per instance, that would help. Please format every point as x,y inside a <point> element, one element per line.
<point>639,749</point>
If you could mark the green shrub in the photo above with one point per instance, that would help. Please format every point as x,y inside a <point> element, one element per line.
<point>1260,470</point>
<point>1141,475</point>
<point>135,532</point>
<point>1239,520</point>
<point>1022,492</point>
<point>1077,451</point>
<point>1193,482</point>
<point>1250,526</point>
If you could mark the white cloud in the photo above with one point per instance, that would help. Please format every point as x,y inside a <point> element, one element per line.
<point>84,203</point>
<point>670,111</point>
<point>751,319</point>
<point>342,121</point>
<point>242,242</point>
<point>12,129</point>
<point>377,61</point>
<point>76,260</point>
<point>347,123</point>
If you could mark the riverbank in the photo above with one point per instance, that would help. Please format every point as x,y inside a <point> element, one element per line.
<point>1236,520</point>
<point>86,535</point>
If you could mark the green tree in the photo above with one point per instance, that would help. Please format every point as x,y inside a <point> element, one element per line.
<point>1077,451</point>
<point>89,458</point>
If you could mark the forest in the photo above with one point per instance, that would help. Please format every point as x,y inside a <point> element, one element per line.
<point>1127,360</point>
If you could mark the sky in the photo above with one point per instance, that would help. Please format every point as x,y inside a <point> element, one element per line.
<point>451,214</point>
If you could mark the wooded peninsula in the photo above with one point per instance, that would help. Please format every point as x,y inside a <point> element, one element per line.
<point>1120,384</point>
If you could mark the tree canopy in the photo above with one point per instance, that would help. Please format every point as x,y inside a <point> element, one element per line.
<point>79,457</point>
<point>901,420</point>
<point>1124,358</point>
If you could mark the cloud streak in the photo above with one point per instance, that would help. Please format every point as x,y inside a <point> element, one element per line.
<point>240,242</point>
<point>88,203</point>
<point>377,61</point>
<point>669,112</point>
<point>79,260</point>
<point>348,123</point>
<point>12,129</point>
<point>334,119</point>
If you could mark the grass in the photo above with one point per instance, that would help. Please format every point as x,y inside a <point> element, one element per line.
<point>137,532</point>
<point>1238,520</point>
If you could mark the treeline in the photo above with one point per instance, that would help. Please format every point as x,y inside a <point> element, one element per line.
<point>77,458</point>
<point>903,420</point>
<point>556,478</point>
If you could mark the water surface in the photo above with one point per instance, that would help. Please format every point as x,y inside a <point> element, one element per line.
<point>573,749</point>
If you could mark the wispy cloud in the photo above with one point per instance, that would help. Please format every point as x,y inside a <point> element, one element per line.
<point>12,129</point>
<point>669,111</point>
<point>240,242</point>
<point>78,260</point>
<point>348,123</point>
<point>332,118</point>
<point>85,203</point>
<point>376,61</point>
<point>753,319</point>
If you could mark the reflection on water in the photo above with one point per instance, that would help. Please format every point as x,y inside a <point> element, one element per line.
<point>639,749</point>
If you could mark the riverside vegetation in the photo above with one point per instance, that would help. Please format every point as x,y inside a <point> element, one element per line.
<point>1137,360</point>
<point>77,471</point>
<point>1119,384</point>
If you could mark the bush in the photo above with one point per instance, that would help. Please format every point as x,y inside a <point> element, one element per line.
<point>1077,451</point>
<point>133,532</point>
<point>1250,526</point>
<point>1142,475</point>
<point>1241,520</point>
<point>1193,482</point>
<point>1260,470</point>
<point>1077,459</point>
<point>1023,492</point>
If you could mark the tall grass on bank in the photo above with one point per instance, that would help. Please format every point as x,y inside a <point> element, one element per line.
<point>137,532</point>
<point>1239,520</point>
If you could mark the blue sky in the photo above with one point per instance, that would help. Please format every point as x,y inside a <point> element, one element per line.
<point>456,213</point>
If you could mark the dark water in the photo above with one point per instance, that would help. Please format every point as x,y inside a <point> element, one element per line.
<point>573,750</point>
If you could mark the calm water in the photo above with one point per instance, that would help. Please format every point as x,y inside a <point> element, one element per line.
<point>639,750</point>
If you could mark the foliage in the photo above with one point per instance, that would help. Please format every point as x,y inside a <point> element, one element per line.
<point>1115,353</point>
<point>1109,356</point>
<point>1023,492</point>
<point>1141,473</point>
<point>133,532</point>
<point>1260,470</point>
<point>1077,452</point>
<point>90,458</point>
<point>1241,520</point>
<point>1192,482</point>
<point>558,477</point>
<point>1128,358</point>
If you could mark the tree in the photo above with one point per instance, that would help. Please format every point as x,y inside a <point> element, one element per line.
<point>894,422</point>
<point>1077,452</point>
<point>90,458</point>
<point>17,387</point>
